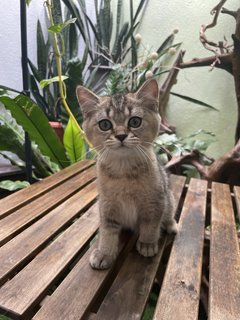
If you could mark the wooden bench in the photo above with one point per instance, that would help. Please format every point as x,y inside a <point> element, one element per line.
<point>47,233</point>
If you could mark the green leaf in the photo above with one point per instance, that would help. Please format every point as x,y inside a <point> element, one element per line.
<point>13,185</point>
<point>28,2</point>
<point>11,135</point>
<point>195,101</point>
<point>166,43</point>
<point>8,91</point>
<point>56,28</point>
<point>75,13</point>
<point>35,71</point>
<point>57,12</point>
<point>47,82</point>
<point>74,142</point>
<point>33,120</point>
<point>138,11</point>
<point>12,139</point>
<point>42,52</point>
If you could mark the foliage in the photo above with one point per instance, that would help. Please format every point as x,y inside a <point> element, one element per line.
<point>33,120</point>
<point>111,33</point>
<point>13,185</point>
<point>19,113</point>
<point>44,76</point>
<point>169,145</point>
<point>126,77</point>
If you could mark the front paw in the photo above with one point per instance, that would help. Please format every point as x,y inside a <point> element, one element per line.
<point>172,228</point>
<point>147,249</point>
<point>99,260</point>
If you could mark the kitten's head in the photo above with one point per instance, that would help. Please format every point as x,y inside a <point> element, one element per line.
<point>121,123</point>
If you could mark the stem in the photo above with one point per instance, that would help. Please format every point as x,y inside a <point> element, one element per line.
<point>62,89</point>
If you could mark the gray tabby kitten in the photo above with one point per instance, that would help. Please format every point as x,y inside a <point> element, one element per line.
<point>133,188</point>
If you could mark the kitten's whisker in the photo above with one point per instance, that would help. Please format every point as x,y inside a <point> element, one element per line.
<point>143,156</point>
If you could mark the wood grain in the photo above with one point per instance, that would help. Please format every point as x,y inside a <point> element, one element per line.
<point>23,217</point>
<point>224,278</point>
<point>179,296</point>
<point>18,199</point>
<point>73,298</point>
<point>30,241</point>
<point>25,290</point>
<point>237,198</point>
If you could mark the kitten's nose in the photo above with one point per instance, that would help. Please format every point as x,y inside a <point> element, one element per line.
<point>121,137</point>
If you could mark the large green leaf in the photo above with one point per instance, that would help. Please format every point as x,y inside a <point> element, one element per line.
<point>33,120</point>
<point>74,142</point>
<point>12,138</point>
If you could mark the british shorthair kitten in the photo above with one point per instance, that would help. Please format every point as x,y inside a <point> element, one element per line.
<point>133,188</point>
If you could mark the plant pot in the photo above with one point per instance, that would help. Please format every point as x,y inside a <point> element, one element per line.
<point>58,128</point>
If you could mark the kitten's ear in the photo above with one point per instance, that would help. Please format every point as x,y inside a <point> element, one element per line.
<point>87,100</point>
<point>148,90</point>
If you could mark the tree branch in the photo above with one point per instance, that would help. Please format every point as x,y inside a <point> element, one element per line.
<point>225,62</point>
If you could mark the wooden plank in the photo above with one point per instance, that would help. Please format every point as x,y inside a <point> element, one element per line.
<point>20,219</point>
<point>80,288</point>
<point>237,198</point>
<point>224,278</point>
<point>26,289</point>
<point>18,199</point>
<point>14,254</point>
<point>133,284</point>
<point>179,296</point>
<point>177,185</point>
<point>129,293</point>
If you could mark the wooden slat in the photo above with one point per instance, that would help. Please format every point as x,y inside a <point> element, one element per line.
<point>133,284</point>
<point>237,197</point>
<point>14,253</point>
<point>24,291</point>
<point>80,288</point>
<point>18,199</point>
<point>224,278</point>
<point>15,222</point>
<point>177,185</point>
<point>179,296</point>
<point>129,293</point>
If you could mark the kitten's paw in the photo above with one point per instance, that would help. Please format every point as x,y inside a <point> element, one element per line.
<point>99,260</point>
<point>147,249</point>
<point>172,228</point>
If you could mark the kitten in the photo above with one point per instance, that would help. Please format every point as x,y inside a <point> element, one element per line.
<point>133,188</point>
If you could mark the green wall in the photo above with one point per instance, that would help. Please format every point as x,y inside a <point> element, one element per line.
<point>214,87</point>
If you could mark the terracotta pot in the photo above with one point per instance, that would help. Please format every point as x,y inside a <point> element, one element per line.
<point>58,128</point>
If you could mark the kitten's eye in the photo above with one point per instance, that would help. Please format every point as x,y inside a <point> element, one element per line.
<point>105,125</point>
<point>134,122</point>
